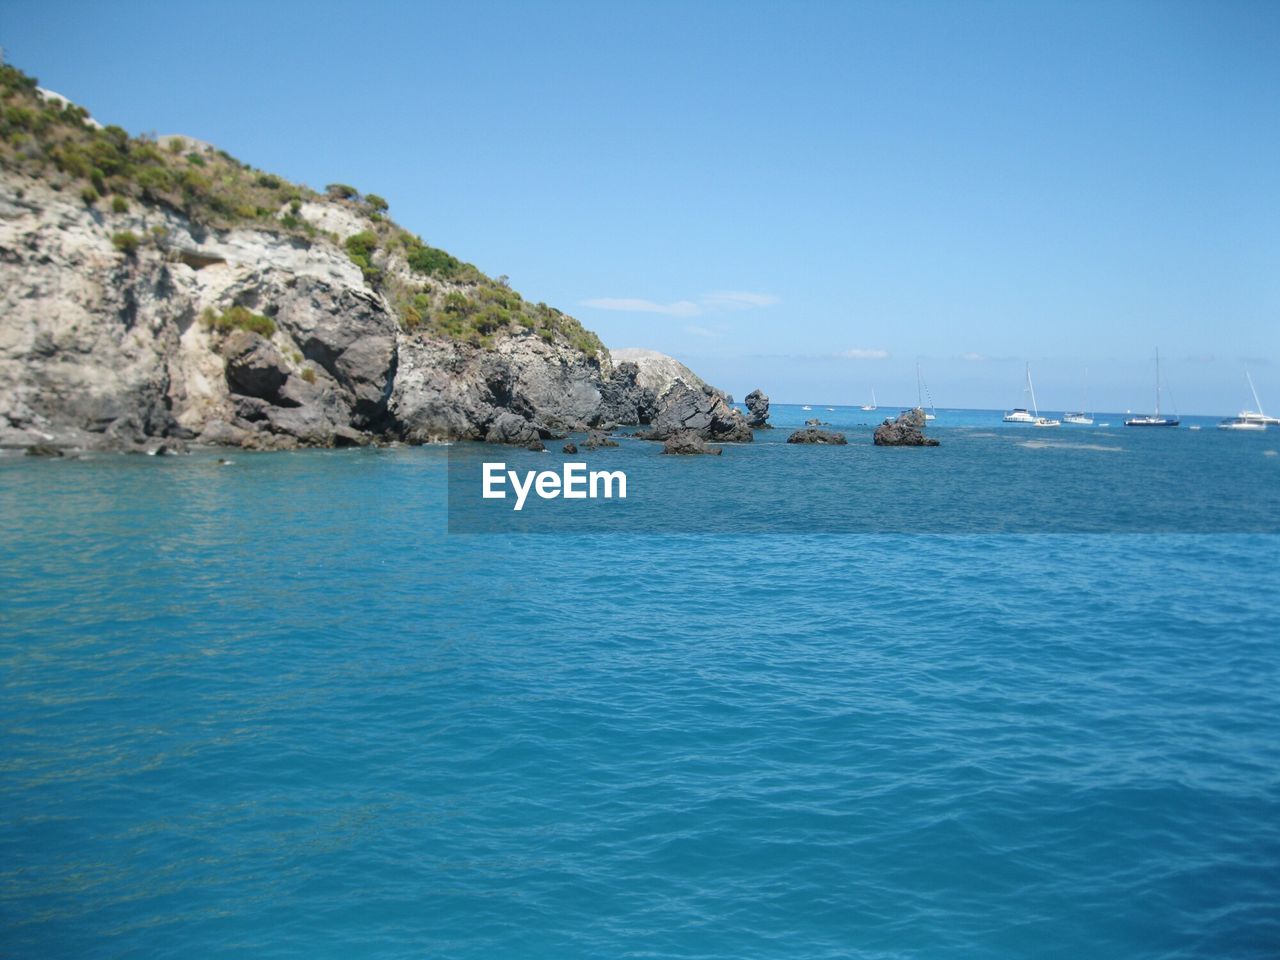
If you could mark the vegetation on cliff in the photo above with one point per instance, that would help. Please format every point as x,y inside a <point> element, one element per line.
<point>433,292</point>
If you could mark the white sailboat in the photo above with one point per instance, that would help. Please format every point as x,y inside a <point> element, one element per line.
<point>1155,420</point>
<point>1039,420</point>
<point>1021,414</point>
<point>1256,416</point>
<point>872,405</point>
<point>1081,418</point>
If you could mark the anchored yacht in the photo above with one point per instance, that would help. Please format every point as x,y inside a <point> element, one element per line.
<point>1155,420</point>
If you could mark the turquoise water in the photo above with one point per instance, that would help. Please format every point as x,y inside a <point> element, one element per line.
<point>273,709</point>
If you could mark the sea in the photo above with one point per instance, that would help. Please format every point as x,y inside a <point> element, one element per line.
<point>1014,696</point>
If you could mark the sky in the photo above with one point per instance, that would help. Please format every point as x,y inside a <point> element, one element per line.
<point>811,198</point>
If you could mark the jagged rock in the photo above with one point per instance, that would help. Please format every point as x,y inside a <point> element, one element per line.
<point>623,399</point>
<point>537,446</point>
<point>658,372</point>
<point>511,428</point>
<point>704,412</point>
<point>904,431</point>
<point>44,450</point>
<point>597,439</point>
<point>757,402</point>
<point>689,442</point>
<point>815,422</point>
<point>255,367</point>
<point>570,447</point>
<point>813,435</point>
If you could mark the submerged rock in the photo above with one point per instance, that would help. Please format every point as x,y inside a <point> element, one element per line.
<point>43,450</point>
<point>904,431</point>
<point>570,447</point>
<point>687,443</point>
<point>757,402</point>
<point>597,439</point>
<point>813,435</point>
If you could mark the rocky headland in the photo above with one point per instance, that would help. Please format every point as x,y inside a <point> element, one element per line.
<point>159,290</point>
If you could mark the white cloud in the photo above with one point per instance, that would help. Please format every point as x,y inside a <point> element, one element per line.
<point>702,331</point>
<point>681,308</point>
<point>859,353</point>
<point>707,303</point>
<point>739,300</point>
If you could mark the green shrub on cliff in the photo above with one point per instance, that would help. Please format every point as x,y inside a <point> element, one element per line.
<point>238,318</point>
<point>126,242</point>
<point>445,296</point>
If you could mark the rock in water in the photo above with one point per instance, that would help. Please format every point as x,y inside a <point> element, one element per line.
<point>702,411</point>
<point>570,447</point>
<point>597,439</point>
<point>812,435</point>
<point>43,450</point>
<point>689,442</point>
<point>904,431</point>
<point>757,402</point>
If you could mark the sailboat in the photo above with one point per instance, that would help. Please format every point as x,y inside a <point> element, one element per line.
<point>1021,414</point>
<point>1256,416</point>
<point>1039,420</point>
<point>1155,420</point>
<point>872,405</point>
<point>921,390</point>
<point>1081,417</point>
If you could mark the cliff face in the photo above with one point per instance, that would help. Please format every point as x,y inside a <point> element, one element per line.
<point>102,346</point>
<point>163,289</point>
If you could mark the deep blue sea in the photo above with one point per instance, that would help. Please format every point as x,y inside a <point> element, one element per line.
<point>274,708</point>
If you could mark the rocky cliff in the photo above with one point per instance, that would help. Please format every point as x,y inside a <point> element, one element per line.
<point>156,289</point>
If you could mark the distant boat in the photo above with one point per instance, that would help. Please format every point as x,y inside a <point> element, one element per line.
<point>1155,420</point>
<point>831,409</point>
<point>1039,421</point>
<point>1256,416</point>
<point>921,389</point>
<point>1081,418</point>
<point>806,407</point>
<point>1021,415</point>
<point>872,405</point>
<point>1241,423</point>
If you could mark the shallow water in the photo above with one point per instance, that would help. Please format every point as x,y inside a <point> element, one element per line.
<point>273,709</point>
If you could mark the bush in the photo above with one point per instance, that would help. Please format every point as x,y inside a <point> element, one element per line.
<point>309,374</point>
<point>119,204</point>
<point>342,191</point>
<point>375,202</point>
<point>433,262</point>
<point>238,318</point>
<point>89,195</point>
<point>362,245</point>
<point>126,242</point>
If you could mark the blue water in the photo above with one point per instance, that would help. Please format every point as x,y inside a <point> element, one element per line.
<point>273,709</point>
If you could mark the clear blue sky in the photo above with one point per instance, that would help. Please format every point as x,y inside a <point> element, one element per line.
<point>801,196</point>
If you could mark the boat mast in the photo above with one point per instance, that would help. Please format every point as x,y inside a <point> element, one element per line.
<point>1031,387</point>
<point>1254,390</point>
<point>919,387</point>
<point>1157,381</point>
